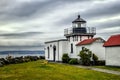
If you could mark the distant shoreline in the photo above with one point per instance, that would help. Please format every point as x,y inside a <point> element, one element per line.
<point>4,54</point>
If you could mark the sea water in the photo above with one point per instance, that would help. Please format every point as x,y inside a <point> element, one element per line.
<point>4,54</point>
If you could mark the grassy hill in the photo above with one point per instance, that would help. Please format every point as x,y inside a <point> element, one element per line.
<point>52,71</point>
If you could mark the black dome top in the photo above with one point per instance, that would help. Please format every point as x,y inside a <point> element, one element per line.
<point>79,20</point>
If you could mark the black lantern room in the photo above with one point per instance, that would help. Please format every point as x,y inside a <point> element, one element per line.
<point>79,28</point>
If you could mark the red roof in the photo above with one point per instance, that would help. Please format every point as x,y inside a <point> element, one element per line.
<point>87,41</point>
<point>113,41</point>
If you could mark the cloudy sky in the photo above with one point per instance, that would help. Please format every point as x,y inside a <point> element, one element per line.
<point>31,22</point>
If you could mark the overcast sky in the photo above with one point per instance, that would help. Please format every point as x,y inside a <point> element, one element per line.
<point>32,22</point>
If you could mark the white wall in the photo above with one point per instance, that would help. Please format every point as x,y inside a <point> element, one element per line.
<point>84,37</point>
<point>50,45</point>
<point>75,52</point>
<point>61,47</point>
<point>79,48</point>
<point>96,47</point>
<point>64,47</point>
<point>112,56</point>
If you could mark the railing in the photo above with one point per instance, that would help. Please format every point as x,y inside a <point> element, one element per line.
<point>80,30</point>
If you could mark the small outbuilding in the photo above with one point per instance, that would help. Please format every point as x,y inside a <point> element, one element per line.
<point>55,49</point>
<point>95,45</point>
<point>112,50</point>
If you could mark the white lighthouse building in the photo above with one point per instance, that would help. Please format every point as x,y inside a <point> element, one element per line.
<point>74,35</point>
<point>77,33</point>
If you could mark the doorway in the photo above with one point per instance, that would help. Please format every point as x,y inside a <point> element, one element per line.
<point>54,53</point>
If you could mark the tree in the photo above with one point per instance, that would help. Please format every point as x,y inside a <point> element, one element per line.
<point>85,56</point>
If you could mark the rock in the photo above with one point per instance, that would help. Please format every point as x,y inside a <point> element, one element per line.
<point>1,65</point>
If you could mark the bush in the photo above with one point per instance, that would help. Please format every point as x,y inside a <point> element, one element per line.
<point>15,60</point>
<point>95,58</point>
<point>73,61</point>
<point>41,57</point>
<point>85,56</point>
<point>65,58</point>
<point>98,63</point>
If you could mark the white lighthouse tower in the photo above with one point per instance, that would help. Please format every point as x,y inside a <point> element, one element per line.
<point>78,32</point>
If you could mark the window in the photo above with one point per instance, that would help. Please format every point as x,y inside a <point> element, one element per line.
<point>71,48</point>
<point>68,38</point>
<point>77,38</point>
<point>50,45</point>
<point>83,48</point>
<point>73,38</point>
<point>48,52</point>
<point>80,38</point>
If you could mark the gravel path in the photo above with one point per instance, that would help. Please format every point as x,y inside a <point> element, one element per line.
<point>95,69</point>
<point>98,69</point>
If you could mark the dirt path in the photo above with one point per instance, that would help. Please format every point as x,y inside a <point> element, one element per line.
<point>95,69</point>
<point>98,69</point>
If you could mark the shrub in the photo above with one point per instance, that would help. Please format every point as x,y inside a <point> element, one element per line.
<point>95,58</point>
<point>41,57</point>
<point>15,60</point>
<point>100,63</point>
<point>65,58</point>
<point>85,56</point>
<point>73,61</point>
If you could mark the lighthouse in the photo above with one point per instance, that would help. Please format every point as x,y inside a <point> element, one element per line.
<point>75,35</point>
<point>78,32</point>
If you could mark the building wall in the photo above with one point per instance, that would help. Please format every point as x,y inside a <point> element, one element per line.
<point>61,47</point>
<point>74,42</point>
<point>112,56</point>
<point>84,37</point>
<point>96,48</point>
<point>50,45</point>
<point>79,48</point>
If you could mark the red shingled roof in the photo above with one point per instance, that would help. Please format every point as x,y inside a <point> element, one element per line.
<point>86,41</point>
<point>113,41</point>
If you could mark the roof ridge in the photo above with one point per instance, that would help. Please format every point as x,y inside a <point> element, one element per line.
<point>88,41</point>
<point>114,40</point>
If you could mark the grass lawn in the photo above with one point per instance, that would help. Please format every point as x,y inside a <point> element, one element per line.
<point>52,71</point>
<point>108,67</point>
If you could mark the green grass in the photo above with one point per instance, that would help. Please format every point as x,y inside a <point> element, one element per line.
<point>109,68</point>
<point>52,71</point>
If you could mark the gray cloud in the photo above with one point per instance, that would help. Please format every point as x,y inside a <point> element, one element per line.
<point>108,24</point>
<point>20,35</point>
<point>31,9</point>
<point>23,11</point>
<point>27,44</point>
<point>98,11</point>
<point>103,10</point>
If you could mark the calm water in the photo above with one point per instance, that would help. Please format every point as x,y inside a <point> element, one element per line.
<point>3,54</point>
